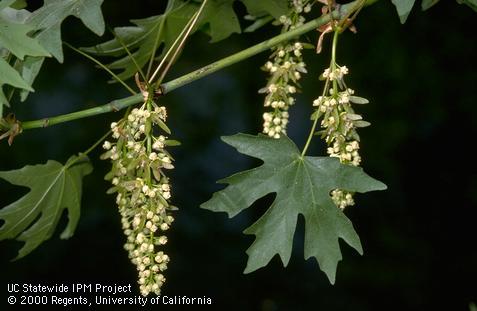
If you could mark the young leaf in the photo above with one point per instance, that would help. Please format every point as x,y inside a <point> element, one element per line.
<point>53,188</point>
<point>302,186</point>
<point>49,17</point>
<point>403,8</point>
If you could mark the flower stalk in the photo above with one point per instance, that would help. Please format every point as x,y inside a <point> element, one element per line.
<point>139,162</point>
<point>285,68</point>
<point>339,122</point>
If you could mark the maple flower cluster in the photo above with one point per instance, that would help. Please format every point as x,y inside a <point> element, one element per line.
<point>339,124</point>
<point>285,68</point>
<point>138,162</point>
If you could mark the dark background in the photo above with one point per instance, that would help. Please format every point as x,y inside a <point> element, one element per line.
<point>419,236</point>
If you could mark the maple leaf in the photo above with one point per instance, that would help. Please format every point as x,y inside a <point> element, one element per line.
<point>53,188</point>
<point>218,20</point>
<point>51,15</point>
<point>302,186</point>
<point>15,39</point>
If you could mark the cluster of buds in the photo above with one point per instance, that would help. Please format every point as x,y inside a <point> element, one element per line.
<point>339,124</point>
<point>139,160</point>
<point>295,18</point>
<point>285,68</point>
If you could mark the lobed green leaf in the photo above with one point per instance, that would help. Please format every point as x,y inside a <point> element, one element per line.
<point>51,15</point>
<point>302,186</point>
<point>15,41</point>
<point>53,188</point>
<point>218,20</point>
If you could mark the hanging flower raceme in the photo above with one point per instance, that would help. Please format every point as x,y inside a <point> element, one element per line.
<point>139,161</point>
<point>285,68</point>
<point>339,124</point>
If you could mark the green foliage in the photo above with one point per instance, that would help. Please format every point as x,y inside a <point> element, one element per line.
<point>302,186</point>
<point>29,69</point>
<point>15,42</point>
<point>218,20</point>
<point>23,55</point>
<point>53,188</point>
<point>275,8</point>
<point>14,38</point>
<point>471,3</point>
<point>426,4</point>
<point>403,8</point>
<point>49,17</point>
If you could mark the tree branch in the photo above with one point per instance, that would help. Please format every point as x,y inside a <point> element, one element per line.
<point>119,104</point>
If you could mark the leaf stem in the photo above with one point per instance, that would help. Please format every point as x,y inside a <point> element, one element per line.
<point>119,104</point>
<point>156,42</point>
<point>181,44</point>
<point>325,90</point>
<point>102,66</point>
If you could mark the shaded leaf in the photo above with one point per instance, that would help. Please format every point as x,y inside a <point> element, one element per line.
<point>53,188</point>
<point>19,4</point>
<point>220,16</point>
<point>218,20</point>
<point>403,8</point>
<point>29,70</point>
<point>162,30</point>
<point>12,77</point>
<point>14,39</point>
<point>14,36</point>
<point>427,4</point>
<point>302,186</point>
<point>471,3</point>
<point>275,8</point>
<point>6,3</point>
<point>49,17</point>
<point>141,39</point>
